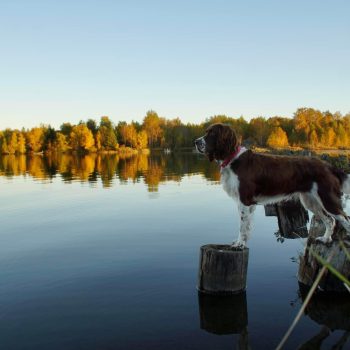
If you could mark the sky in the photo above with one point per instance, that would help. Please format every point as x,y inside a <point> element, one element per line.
<point>73,60</point>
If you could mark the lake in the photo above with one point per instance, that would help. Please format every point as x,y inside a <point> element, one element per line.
<point>101,252</point>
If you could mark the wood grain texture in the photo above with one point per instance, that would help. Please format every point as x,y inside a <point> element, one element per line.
<point>222,269</point>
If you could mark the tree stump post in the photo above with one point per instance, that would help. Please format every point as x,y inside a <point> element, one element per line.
<point>222,269</point>
<point>309,265</point>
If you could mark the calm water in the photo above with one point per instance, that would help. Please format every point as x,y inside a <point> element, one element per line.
<point>101,252</point>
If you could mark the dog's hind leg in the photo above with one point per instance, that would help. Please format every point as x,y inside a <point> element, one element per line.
<point>246,224</point>
<point>311,203</point>
<point>331,202</point>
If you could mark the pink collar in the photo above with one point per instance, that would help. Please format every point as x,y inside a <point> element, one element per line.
<point>230,157</point>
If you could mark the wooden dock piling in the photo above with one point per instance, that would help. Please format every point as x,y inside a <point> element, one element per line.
<point>222,269</point>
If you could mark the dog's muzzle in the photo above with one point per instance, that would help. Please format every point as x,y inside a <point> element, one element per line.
<point>200,145</point>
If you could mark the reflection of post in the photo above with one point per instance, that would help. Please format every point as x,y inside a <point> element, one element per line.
<point>332,312</point>
<point>222,269</point>
<point>292,218</point>
<point>225,315</point>
<point>309,266</point>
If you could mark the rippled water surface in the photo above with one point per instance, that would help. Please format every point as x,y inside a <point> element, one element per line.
<point>101,252</point>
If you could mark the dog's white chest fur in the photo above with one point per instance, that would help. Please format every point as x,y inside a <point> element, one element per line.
<point>230,182</point>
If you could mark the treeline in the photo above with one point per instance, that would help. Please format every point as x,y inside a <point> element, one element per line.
<point>309,128</point>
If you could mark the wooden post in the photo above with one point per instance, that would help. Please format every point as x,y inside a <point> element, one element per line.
<point>292,218</point>
<point>309,266</point>
<point>222,269</point>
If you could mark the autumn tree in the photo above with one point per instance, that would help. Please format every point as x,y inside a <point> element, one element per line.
<point>3,144</point>
<point>81,138</point>
<point>61,144</point>
<point>278,138</point>
<point>313,138</point>
<point>152,125</point>
<point>128,135</point>
<point>12,142</point>
<point>21,143</point>
<point>142,140</point>
<point>35,139</point>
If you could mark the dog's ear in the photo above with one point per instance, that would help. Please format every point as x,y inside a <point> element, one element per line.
<point>226,142</point>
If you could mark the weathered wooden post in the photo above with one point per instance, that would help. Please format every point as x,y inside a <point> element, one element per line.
<point>292,218</point>
<point>222,269</point>
<point>309,265</point>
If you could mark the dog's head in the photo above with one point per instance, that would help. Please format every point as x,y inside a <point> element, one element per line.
<point>218,142</point>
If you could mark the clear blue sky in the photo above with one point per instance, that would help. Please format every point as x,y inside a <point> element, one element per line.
<point>70,60</point>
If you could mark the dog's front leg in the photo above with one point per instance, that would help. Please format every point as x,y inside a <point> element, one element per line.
<point>245,224</point>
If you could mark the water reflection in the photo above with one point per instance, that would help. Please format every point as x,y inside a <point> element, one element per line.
<point>225,315</point>
<point>151,169</point>
<point>331,312</point>
<point>329,309</point>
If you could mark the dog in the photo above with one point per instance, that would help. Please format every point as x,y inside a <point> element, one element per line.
<point>252,178</point>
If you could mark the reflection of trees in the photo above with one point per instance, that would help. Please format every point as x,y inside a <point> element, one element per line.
<point>35,168</point>
<point>154,174</point>
<point>107,168</point>
<point>131,168</point>
<point>12,165</point>
<point>152,169</point>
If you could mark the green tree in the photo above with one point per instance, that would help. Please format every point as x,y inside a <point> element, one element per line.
<point>259,130</point>
<point>92,126</point>
<point>108,135</point>
<point>49,138</point>
<point>66,129</point>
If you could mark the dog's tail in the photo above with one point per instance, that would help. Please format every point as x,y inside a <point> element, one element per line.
<point>343,178</point>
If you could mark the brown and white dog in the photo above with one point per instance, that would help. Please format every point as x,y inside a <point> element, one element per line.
<point>252,179</point>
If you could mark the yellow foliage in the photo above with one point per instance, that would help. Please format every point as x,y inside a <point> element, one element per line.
<point>277,138</point>
<point>81,138</point>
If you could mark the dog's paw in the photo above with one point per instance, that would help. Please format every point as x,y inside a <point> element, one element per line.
<point>324,240</point>
<point>239,244</point>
